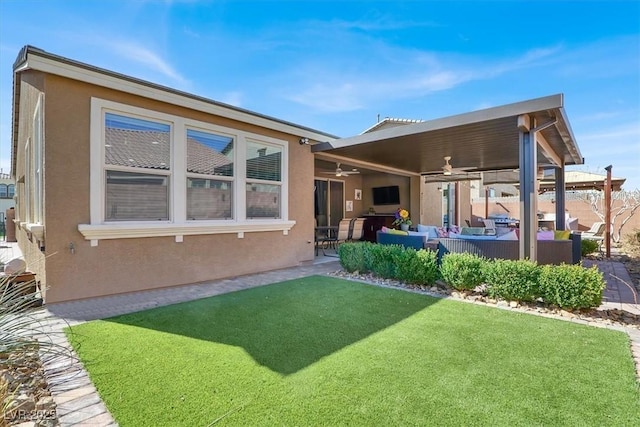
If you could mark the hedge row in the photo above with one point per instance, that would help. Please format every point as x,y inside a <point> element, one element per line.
<point>390,261</point>
<point>566,286</point>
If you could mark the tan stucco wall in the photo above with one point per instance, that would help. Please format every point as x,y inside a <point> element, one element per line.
<point>464,200</point>
<point>351,183</point>
<point>370,181</point>
<point>431,204</point>
<point>125,265</point>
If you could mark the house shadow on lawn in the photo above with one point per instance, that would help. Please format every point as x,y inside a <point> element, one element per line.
<point>290,325</point>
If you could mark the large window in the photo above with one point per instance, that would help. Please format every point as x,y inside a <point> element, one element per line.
<point>209,175</point>
<point>137,157</point>
<point>264,176</point>
<point>157,174</point>
<point>33,198</point>
<point>37,161</point>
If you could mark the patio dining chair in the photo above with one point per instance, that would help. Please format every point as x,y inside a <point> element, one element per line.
<point>357,230</point>
<point>341,236</point>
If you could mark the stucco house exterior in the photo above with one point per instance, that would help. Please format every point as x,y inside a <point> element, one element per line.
<point>123,185</point>
<point>117,179</point>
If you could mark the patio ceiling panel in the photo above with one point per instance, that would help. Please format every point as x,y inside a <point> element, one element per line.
<point>481,140</point>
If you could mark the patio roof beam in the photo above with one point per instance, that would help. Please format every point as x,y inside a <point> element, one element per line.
<point>548,152</point>
<point>364,164</point>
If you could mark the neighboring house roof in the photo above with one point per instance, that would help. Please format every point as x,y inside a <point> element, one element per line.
<point>389,122</point>
<point>202,159</point>
<point>582,180</point>
<point>149,149</point>
<point>573,180</point>
<point>32,58</point>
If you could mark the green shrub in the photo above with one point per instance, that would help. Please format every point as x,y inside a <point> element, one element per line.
<point>462,271</point>
<point>588,246</point>
<point>512,280</point>
<point>380,260</point>
<point>571,286</point>
<point>419,267</point>
<point>353,256</point>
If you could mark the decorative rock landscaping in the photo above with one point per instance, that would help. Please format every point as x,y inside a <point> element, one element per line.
<point>442,290</point>
<point>24,392</point>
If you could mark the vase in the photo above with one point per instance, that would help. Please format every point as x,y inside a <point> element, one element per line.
<point>404,227</point>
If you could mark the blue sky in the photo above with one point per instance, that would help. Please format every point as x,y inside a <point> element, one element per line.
<point>336,66</point>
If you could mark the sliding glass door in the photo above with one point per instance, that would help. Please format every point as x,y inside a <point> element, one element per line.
<point>329,201</point>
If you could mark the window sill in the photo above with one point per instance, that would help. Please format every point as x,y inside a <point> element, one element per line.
<point>137,230</point>
<point>36,230</point>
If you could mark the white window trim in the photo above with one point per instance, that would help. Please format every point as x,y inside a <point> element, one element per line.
<point>178,225</point>
<point>34,175</point>
<point>38,161</point>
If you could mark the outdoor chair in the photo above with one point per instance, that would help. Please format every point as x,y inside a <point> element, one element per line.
<point>596,233</point>
<point>320,237</point>
<point>490,226</point>
<point>358,229</point>
<point>341,236</point>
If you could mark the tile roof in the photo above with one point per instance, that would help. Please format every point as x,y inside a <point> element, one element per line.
<point>151,150</point>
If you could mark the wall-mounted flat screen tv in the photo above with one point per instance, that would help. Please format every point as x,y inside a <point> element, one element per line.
<point>386,195</point>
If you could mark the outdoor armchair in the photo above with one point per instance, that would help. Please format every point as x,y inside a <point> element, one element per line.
<point>596,233</point>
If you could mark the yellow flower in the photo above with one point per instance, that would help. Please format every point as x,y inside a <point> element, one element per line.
<point>402,217</point>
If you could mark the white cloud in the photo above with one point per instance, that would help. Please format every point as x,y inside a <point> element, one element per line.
<point>626,132</point>
<point>396,75</point>
<point>600,115</point>
<point>146,57</point>
<point>379,23</point>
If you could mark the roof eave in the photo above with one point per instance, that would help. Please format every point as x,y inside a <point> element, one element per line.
<point>551,102</point>
<point>567,135</point>
<point>34,58</point>
<point>15,110</point>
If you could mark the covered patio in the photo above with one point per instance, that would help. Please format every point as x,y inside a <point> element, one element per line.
<point>525,136</point>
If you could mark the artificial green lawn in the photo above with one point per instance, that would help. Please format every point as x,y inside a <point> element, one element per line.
<point>325,351</point>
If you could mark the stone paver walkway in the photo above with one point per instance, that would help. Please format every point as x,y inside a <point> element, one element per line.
<point>620,292</point>
<point>78,402</point>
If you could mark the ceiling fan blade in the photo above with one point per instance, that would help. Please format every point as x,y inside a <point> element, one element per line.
<point>341,172</point>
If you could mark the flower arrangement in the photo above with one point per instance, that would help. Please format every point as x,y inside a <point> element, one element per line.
<point>402,218</point>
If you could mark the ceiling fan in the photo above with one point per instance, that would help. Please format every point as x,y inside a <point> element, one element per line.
<point>340,172</point>
<point>447,169</point>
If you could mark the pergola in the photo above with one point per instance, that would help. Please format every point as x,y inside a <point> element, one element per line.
<point>525,136</point>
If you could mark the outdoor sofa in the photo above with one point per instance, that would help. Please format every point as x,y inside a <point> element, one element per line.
<point>549,251</point>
